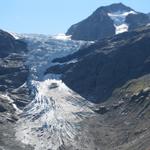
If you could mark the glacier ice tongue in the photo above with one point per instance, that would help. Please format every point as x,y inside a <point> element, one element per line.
<point>53,117</point>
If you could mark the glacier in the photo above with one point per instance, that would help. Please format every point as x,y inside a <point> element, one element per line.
<point>52,119</point>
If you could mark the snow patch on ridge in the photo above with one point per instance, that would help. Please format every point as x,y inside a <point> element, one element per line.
<point>119,20</point>
<point>15,35</point>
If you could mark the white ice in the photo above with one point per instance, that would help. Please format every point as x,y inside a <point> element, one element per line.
<point>62,36</point>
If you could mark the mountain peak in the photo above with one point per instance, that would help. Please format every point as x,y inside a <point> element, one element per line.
<point>118,4</point>
<point>107,21</point>
<point>115,8</point>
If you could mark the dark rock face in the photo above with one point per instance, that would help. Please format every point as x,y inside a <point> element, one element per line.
<point>58,69</point>
<point>2,109</point>
<point>137,20</point>
<point>99,25</point>
<point>108,64</point>
<point>13,91</point>
<point>13,72</point>
<point>8,44</point>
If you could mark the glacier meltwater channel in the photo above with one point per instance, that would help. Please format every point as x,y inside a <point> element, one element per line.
<point>52,118</point>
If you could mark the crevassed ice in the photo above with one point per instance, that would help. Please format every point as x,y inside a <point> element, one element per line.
<point>119,20</point>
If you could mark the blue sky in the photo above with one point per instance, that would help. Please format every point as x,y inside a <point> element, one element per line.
<point>53,16</point>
